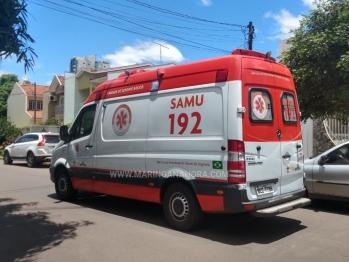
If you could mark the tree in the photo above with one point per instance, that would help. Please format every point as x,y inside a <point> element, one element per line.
<point>14,38</point>
<point>6,84</point>
<point>7,129</point>
<point>319,61</point>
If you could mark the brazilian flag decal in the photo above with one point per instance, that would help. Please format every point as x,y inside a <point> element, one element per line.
<point>217,164</point>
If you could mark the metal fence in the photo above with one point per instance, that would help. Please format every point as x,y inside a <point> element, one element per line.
<point>336,131</point>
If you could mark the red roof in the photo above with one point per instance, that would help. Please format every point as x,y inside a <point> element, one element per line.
<point>29,89</point>
<point>61,79</point>
<point>38,113</point>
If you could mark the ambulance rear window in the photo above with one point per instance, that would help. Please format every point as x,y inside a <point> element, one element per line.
<point>260,106</point>
<point>288,108</point>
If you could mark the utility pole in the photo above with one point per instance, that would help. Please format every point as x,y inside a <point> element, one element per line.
<point>250,35</point>
<point>34,103</point>
<point>160,51</point>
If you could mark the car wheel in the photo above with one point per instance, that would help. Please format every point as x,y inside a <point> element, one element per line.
<point>64,187</point>
<point>7,158</point>
<point>181,208</point>
<point>31,161</point>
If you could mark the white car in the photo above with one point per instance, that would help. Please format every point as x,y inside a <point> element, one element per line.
<point>35,148</point>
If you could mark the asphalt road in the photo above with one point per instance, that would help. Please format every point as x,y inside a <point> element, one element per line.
<point>35,226</point>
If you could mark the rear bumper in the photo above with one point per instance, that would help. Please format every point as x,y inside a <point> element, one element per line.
<point>43,158</point>
<point>235,200</point>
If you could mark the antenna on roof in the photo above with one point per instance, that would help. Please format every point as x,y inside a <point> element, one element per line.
<point>160,50</point>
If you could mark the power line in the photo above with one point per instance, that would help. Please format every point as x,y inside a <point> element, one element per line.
<point>127,25</point>
<point>179,14</point>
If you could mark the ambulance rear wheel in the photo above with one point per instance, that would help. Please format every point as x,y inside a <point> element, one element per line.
<point>63,186</point>
<point>181,208</point>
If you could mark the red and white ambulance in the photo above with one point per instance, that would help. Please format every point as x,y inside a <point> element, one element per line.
<point>219,135</point>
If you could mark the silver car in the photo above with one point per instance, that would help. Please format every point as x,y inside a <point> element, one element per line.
<point>327,175</point>
<point>35,148</point>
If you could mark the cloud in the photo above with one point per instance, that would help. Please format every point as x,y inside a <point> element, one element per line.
<point>285,22</point>
<point>206,2</point>
<point>2,72</point>
<point>143,52</point>
<point>309,3</point>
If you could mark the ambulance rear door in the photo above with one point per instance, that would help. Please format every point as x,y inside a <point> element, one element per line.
<point>261,132</point>
<point>290,130</point>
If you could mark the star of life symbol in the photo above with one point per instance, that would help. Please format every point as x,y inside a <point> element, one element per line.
<point>121,121</point>
<point>259,105</point>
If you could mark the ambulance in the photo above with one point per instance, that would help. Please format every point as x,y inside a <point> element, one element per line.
<point>221,135</point>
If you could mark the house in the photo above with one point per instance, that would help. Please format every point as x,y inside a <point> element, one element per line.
<point>78,86</point>
<point>53,100</point>
<point>25,104</point>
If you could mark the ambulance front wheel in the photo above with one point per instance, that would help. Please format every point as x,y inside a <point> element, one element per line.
<point>181,208</point>
<point>63,186</point>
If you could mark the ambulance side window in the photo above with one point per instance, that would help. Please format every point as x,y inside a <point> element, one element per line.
<point>84,122</point>
<point>260,105</point>
<point>288,108</point>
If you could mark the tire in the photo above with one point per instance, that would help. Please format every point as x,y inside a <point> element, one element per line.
<point>7,158</point>
<point>31,160</point>
<point>181,208</point>
<point>64,187</point>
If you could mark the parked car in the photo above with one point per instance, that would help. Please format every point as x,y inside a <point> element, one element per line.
<point>35,148</point>
<point>327,175</point>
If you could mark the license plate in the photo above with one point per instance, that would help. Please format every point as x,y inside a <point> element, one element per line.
<point>264,189</point>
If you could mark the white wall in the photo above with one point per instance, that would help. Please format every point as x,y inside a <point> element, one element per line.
<point>17,107</point>
<point>69,97</point>
<point>308,134</point>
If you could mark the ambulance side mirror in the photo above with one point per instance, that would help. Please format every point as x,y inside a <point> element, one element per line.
<point>63,134</point>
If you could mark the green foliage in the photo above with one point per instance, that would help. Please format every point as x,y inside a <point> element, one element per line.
<point>319,61</point>
<point>6,84</point>
<point>8,131</point>
<point>52,122</point>
<point>14,38</point>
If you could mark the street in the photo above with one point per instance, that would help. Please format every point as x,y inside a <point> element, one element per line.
<point>34,225</point>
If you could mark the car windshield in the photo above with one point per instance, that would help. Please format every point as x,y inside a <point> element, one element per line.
<point>52,139</point>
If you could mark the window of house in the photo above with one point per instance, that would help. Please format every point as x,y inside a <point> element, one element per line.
<point>62,100</point>
<point>32,105</point>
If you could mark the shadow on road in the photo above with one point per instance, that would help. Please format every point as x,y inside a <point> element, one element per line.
<point>329,206</point>
<point>25,235</point>
<point>231,229</point>
<point>24,164</point>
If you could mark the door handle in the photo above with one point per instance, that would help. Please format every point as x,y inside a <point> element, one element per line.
<point>89,146</point>
<point>298,146</point>
<point>286,156</point>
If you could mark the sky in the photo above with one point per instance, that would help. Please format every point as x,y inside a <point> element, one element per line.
<point>126,32</point>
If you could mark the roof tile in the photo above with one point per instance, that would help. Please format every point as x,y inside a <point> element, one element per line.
<point>29,89</point>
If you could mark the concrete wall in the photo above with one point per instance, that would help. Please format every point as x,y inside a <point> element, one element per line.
<point>48,107</point>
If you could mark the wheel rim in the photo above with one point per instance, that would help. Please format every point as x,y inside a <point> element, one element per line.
<point>62,184</point>
<point>179,206</point>
<point>30,159</point>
